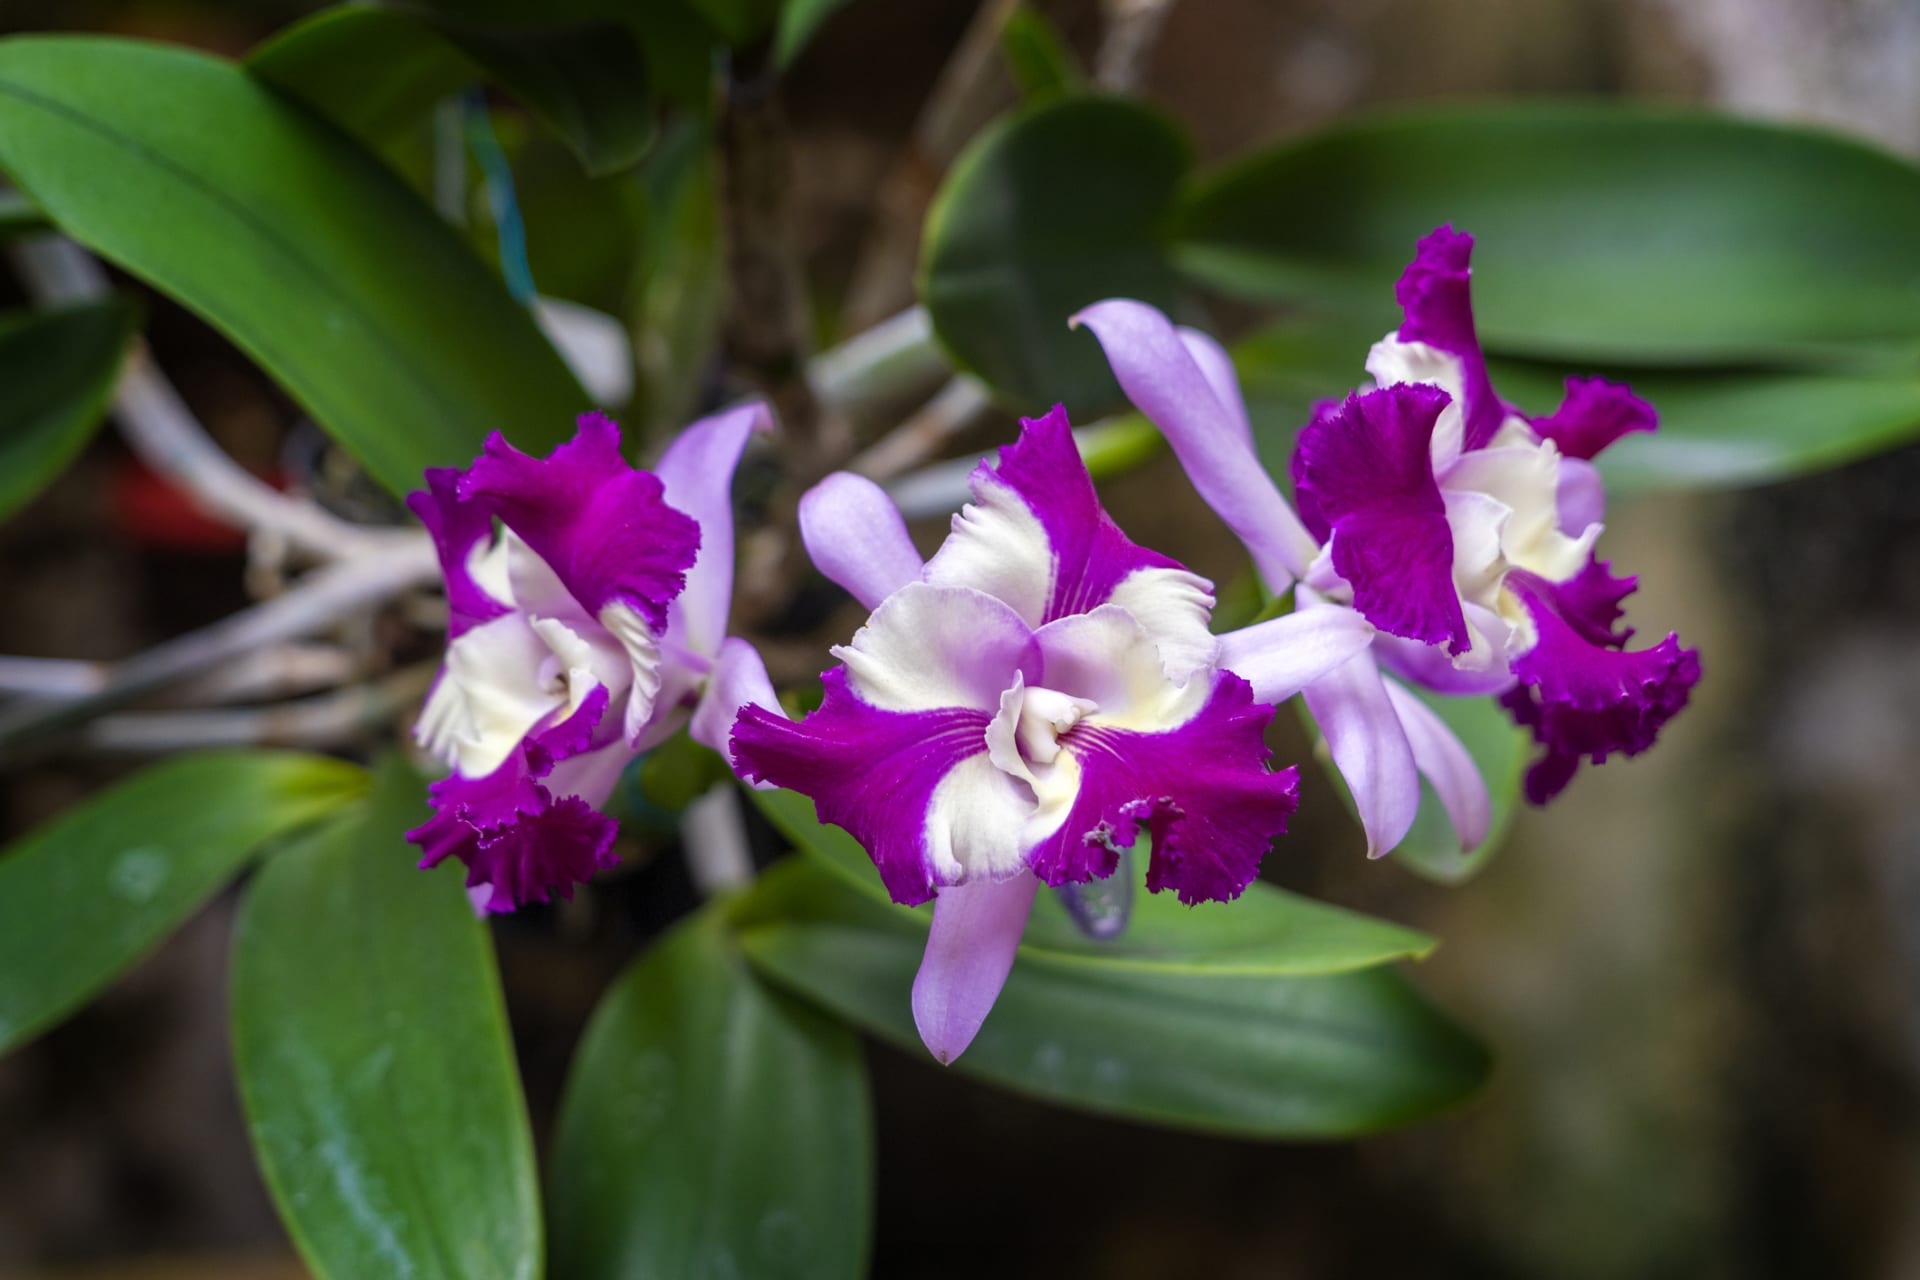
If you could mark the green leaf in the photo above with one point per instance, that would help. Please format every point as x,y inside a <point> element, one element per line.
<point>1042,66</point>
<point>1321,1055</point>
<point>711,1126</point>
<point>57,372</point>
<point>1265,931</point>
<point>1054,207</point>
<point>374,69</point>
<point>371,1045</point>
<point>91,892</point>
<point>1628,233</point>
<point>295,243</point>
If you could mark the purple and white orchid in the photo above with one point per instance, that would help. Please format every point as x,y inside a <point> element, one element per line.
<point>1460,529</point>
<point>584,631</point>
<point>1017,705</point>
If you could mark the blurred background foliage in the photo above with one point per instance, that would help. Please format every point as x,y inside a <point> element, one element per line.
<point>1699,972</point>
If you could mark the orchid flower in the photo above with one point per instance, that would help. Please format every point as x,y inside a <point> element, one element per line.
<point>585,631</point>
<point>1016,706</point>
<point>1461,530</point>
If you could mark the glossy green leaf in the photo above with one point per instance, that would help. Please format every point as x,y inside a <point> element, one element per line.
<point>712,1126</point>
<point>1042,66</point>
<point>1718,427</point>
<point>287,237</point>
<point>373,69</point>
<point>1265,931</point>
<point>88,894</point>
<point>374,1063</point>
<point>1054,207</point>
<point>1629,233</point>
<point>1322,1055</point>
<point>57,372</point>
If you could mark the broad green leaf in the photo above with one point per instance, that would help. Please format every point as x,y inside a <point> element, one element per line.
<point>1323,1055</point>
<point>57,372</point>
<point>374,1063</point>
<point>91,892</point>
<point>1042,66</point>
<point>373,69</point>
<point>1638,234</point>
<point>1265,931</point>
<point>295,243</point>
<point>711,1127</point>
<point>1053,208</point>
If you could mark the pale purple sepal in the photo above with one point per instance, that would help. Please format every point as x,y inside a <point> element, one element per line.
<point>1593,415</point>
<point>603,528</point>
<point>1202,790</point>
<point>1283,655</point>
<point>738,679</point>
<point>1216,366</point>
<point>1370,749</point>
<point>457,528</point>
<point>855,535</point>
<point>1445,763</point>
<point>1435,295</point>
<point>1181,396</point>
<point>1365,469</point>
<point>696,477</point>
<point>970,949</point>
<point>1581,694</point>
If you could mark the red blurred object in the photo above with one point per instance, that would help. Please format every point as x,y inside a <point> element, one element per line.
<point>156,514</point>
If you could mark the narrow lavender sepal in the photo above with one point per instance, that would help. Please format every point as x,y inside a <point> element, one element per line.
<point>696,478</point>
<point>1444,761</point>
<point>1370,749</point>
<point>738,679</point>
<point>1594,414</point>
<point>1282,656</point>
<point>1216,366</point>
<point>604,529</point>
<point>1157,369</point>
<point>1436,298</point>
<point>855,535</point>
<point>970,951</point>
<point>1367,470</point>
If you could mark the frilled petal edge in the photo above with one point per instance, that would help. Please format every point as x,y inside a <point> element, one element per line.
<point>1366,469</point>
